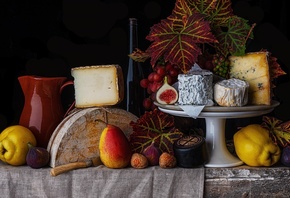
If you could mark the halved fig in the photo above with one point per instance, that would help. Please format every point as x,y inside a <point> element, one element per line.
<point>166,94</point>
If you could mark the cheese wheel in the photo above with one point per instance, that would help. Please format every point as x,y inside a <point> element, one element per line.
<point>100,85</point>
<point>253,68</point>
<point>231,93</point>
<point>76,139</point>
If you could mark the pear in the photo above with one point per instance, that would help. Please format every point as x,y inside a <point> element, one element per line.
<point>114,147</point>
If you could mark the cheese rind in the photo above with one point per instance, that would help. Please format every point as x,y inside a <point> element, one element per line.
<point>99,85</point>
<point>253,68</point>
<point>231,93</point>
<point>77,137</point>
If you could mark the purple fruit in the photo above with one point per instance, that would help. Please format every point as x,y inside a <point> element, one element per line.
<point>37,157</point>
<point>152,153</point>
<point>285,157</point>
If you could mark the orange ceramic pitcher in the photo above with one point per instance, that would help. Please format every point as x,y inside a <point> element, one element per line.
<point>43,109</point>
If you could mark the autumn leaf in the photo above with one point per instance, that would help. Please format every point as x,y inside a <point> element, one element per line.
<point>275,69</point>
<point>279,130</point>
<point>154,126</point>
<point>217,12</point>
<point>179,47</point>
<point>180,12</point>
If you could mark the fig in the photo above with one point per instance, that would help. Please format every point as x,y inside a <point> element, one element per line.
<point>285,157</point>
<point>37,157</point>
<point>166,94</point>
<point>152,153</point>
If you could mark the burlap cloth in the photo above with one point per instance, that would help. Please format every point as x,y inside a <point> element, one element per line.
<point>101,182</point>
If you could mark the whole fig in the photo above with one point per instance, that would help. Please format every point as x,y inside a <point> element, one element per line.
<point>152,153</point>
<point>285,157</point>
<point>37,157</point>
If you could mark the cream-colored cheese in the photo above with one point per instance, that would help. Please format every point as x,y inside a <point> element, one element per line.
<point>253,68</point>
<point>99,85</point>
<point>232,92</point>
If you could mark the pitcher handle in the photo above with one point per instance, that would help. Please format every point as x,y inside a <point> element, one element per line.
<point>70,82</point>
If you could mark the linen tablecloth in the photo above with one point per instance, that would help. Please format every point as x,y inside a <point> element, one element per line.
<point>101,181</point>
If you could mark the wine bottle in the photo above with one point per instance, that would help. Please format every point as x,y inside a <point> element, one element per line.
<point>135,93</point>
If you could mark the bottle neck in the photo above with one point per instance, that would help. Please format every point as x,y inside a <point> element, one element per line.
<point>133,34</point>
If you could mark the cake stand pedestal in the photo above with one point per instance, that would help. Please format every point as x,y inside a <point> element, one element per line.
<point>217,152</point>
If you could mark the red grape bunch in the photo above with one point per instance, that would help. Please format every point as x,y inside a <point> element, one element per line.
<point>155,80</point>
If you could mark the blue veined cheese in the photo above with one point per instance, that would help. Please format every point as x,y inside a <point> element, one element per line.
<point>253,68</point>
<point>195,88</point>
<point>231,93</point>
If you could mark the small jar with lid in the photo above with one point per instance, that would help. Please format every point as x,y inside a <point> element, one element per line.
<point>189,151</point>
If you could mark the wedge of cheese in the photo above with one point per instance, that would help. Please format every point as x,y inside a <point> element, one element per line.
<point>253,68</point>
<point>100,85</point>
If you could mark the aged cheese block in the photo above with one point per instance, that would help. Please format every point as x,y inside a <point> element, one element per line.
<point>253,68</point>
<point>231,92</point>
<point>100,85</point>
<point>77,137</point>
<point>195,88</point>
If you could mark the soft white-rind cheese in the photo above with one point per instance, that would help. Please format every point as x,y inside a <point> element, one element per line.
<point>253,68</point>
<point>231,93</point>
<point>100,85</point>
<point>195,88</point>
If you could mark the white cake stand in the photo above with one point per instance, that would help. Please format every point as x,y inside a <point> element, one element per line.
<point>215,118</point>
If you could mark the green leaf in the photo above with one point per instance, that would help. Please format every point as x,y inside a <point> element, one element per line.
<point>154,126</point>
<point>232,39</point>
<point>179,46</point>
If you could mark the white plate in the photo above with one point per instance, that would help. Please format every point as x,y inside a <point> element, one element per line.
<point>224,109</point>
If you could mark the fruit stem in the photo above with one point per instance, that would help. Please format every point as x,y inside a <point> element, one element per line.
<point>29,145</point>
<point>165,80</point>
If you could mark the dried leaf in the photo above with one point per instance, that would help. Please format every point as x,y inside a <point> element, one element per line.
<point>154,126</point>
<point>139,55</point>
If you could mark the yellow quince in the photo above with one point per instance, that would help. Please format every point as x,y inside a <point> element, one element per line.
<point>255,147</point>
<point>14,144</point>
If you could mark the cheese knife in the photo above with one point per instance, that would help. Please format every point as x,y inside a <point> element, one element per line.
<point>96,161</point>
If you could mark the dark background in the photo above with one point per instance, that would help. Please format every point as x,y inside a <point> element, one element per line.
<point>49,37</point>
